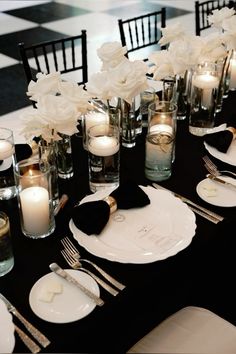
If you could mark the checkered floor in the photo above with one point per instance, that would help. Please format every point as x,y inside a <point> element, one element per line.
<point>34,21</point>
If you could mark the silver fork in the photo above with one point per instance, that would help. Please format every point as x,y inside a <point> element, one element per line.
<point>75,253</point>
<point>212,168</point>
<point>75,264</point>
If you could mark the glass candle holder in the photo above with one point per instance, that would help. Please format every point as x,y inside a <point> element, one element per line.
<point>104,156</point>
<point>6,254</point>
<point>205,85</point>
<point>33,182</point>
<point>160,140</point>
<point>7,162</point>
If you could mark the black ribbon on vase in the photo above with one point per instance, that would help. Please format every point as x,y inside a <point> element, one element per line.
<point>221,140</point>
<point>92,217</point>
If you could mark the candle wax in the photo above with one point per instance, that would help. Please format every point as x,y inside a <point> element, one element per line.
<point>103,146</point>
<point>6,149</point>
<point>35,209</point>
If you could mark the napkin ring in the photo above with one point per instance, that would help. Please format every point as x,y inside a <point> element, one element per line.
<point>111,202</point>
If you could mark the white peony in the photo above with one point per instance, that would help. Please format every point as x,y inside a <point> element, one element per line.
<point>45,84</point>
<point>111,54</point>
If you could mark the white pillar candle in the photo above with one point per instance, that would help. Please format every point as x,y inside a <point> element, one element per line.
<point>95,118</point>
<point>6,149</point>
<point>103,146</point>
<point>207,83</point>
<point>232,81</point>
<point>35,209</point>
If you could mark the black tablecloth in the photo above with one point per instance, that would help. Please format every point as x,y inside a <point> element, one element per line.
<point>202,274</point>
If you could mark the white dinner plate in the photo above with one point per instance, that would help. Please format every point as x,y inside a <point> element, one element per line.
<point>70,305</point>
<point>228,157</point>
<point>142,235</point>
<point>216,194</point>
<point>7,337</point>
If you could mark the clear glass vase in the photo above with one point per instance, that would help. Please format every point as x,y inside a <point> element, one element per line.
<point>128,122</point>
<point>48,152</point>
<point>64,157</point>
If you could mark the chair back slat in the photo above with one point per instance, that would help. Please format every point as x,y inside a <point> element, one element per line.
<point>54,56</point>
<point>140,32</point>
<point>64,55</point>
<point>205,8</point>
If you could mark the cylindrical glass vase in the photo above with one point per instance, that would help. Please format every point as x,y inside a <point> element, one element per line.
<point>205,85</point>
<point>33,182</point>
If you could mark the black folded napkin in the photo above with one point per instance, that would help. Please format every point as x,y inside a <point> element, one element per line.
<point>221,140</point>
<point>91,217</point>
<point>23,151</point>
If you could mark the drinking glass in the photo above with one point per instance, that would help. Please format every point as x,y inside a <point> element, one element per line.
<point>33,182</point>
<point>7,162</point>
<point>104,156</point>
<point>160,140</point>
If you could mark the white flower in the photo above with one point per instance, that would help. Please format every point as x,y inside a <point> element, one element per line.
<point>128,79</point>
<point>212,48</point>
<point>98,85</point>
<point>218,16</point>
<point>111,54</point>
<point>76,94</point>
<point>229,35</point>
<point>162,64</point>
<point>58,114</point>
<point>53,114</point>
<point>171,33</point>
<point>185,53</point>
<point>45,84</point>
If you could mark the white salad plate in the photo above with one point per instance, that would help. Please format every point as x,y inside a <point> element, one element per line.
<point>7,336</point>
<point>142,235</point>
<point>217,194</point>
<point>68,306</point>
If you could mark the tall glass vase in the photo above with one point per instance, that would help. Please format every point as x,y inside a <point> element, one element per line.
<point>64,157</point>
<point>128,123</point>
<point>48,153</point>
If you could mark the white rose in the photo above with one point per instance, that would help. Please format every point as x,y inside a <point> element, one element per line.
<point>218,16</point>
<point>99,86</point>
<point>75,94</point>
<point>58,114</point>
<point>128,79</point>
<point>111,54</point>
<point>171,33</point>
<point>45,84</point>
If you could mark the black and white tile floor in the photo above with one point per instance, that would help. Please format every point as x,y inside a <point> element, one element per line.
<point>34,21</point>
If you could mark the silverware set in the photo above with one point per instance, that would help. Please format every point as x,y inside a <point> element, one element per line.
<point>40,337</point>
<point>72,257</point>
<point>213,169</point>
<point>196,208</point>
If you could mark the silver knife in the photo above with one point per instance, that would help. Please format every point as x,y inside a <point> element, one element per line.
<point>34,331</point>
<point>220,180</point>
<point>208,214</point>
<point>62,273</point>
